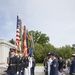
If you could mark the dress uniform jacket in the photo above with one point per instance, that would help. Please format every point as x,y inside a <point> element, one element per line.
<point>26,62</point>
<point>72,67</point>
<point>12,65</point>
<point>22,63</point>
<point>19,63</point>
<point>54,67</point>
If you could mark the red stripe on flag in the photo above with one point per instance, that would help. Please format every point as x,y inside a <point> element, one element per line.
<point>24,39</point>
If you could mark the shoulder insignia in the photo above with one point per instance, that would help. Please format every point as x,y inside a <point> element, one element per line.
<point>54,65</point>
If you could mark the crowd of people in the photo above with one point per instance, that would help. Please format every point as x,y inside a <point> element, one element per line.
<point>54,65</point>
<point>18,64</point>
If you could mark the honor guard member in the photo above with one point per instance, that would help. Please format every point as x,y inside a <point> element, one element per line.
<point>72,66</point>
<point>30,64</point>
<point>18,63</point>
<point>26,65</point>
<point>33,66</point>
<point>12,63</point>
<point>22,64</point>
<point>54,64</point>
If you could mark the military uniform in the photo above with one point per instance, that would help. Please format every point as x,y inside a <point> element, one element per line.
<point>12,66</point>
<point>18,65</point>
<point>33,66</point>
<point>54,64</point>
<point>54,67</point>
<point>22,65</point>
<point>26,65</point>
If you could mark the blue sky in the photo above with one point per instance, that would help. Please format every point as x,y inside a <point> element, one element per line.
<point>56,18</point>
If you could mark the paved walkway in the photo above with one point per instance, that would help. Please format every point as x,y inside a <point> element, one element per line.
<point>39,70</point>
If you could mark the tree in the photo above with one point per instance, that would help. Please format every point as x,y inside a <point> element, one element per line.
<point>65,52</point>
<point>12,41</point>
<point>47,49</point>
<point>39,37</point>
<point>38,52</point>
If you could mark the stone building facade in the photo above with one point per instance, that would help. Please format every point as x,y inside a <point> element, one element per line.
<point>4,52</point>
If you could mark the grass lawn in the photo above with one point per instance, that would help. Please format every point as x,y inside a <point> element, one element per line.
<point>39,64</point>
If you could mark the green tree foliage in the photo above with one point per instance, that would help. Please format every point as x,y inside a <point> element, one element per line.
<point>12,41</point>
<point>65,52</point>
<point>48,48</point>
<point>38,52</point>
<point>39,37</point>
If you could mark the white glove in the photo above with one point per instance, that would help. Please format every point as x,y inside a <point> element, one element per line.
<point>21,70</point>
<point>7,65</point>
<point>17,72</point>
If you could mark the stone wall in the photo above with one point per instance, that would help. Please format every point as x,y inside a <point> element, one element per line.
<point>4,52</point>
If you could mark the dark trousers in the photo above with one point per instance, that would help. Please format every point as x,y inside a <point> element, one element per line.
<point>22,72</point>
<point>11,74</point>
<point>19,73</point>
<point>32,71</point>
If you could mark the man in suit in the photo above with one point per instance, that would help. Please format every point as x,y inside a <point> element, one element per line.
<point>54,64</point>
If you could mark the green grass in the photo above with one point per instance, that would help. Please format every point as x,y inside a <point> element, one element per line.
<point>39,64</point>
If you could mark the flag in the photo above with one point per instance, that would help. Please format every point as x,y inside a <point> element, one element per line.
<point>27,38</point>
<point>31,45</point>
<point>20,42</point>
<point>24,42</point>
<point>20,29</point>
<point>31,52</point>
<point>17,33</point>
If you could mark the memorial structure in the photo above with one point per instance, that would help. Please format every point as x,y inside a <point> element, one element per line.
<point>4,52</point>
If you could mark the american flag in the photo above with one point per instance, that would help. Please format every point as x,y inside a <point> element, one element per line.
<point>18,33</point>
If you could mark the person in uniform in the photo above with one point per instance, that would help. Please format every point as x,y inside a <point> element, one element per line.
<point>12,65</point>
<point>26,61</point>
<point>72,66</point>
<point>54,64</point>
<point>30,64</point>
<point>33,66</point>
<point>22,64</point>
<point>18,63</point>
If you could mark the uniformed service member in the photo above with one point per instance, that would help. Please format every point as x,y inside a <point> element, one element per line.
<point>33,66</point>
<point>12,65</point>
<point>72,66</point>
<point>22,64</point>
<point>18,63</point>
<point>26,65</point>
<point>54,64</point>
